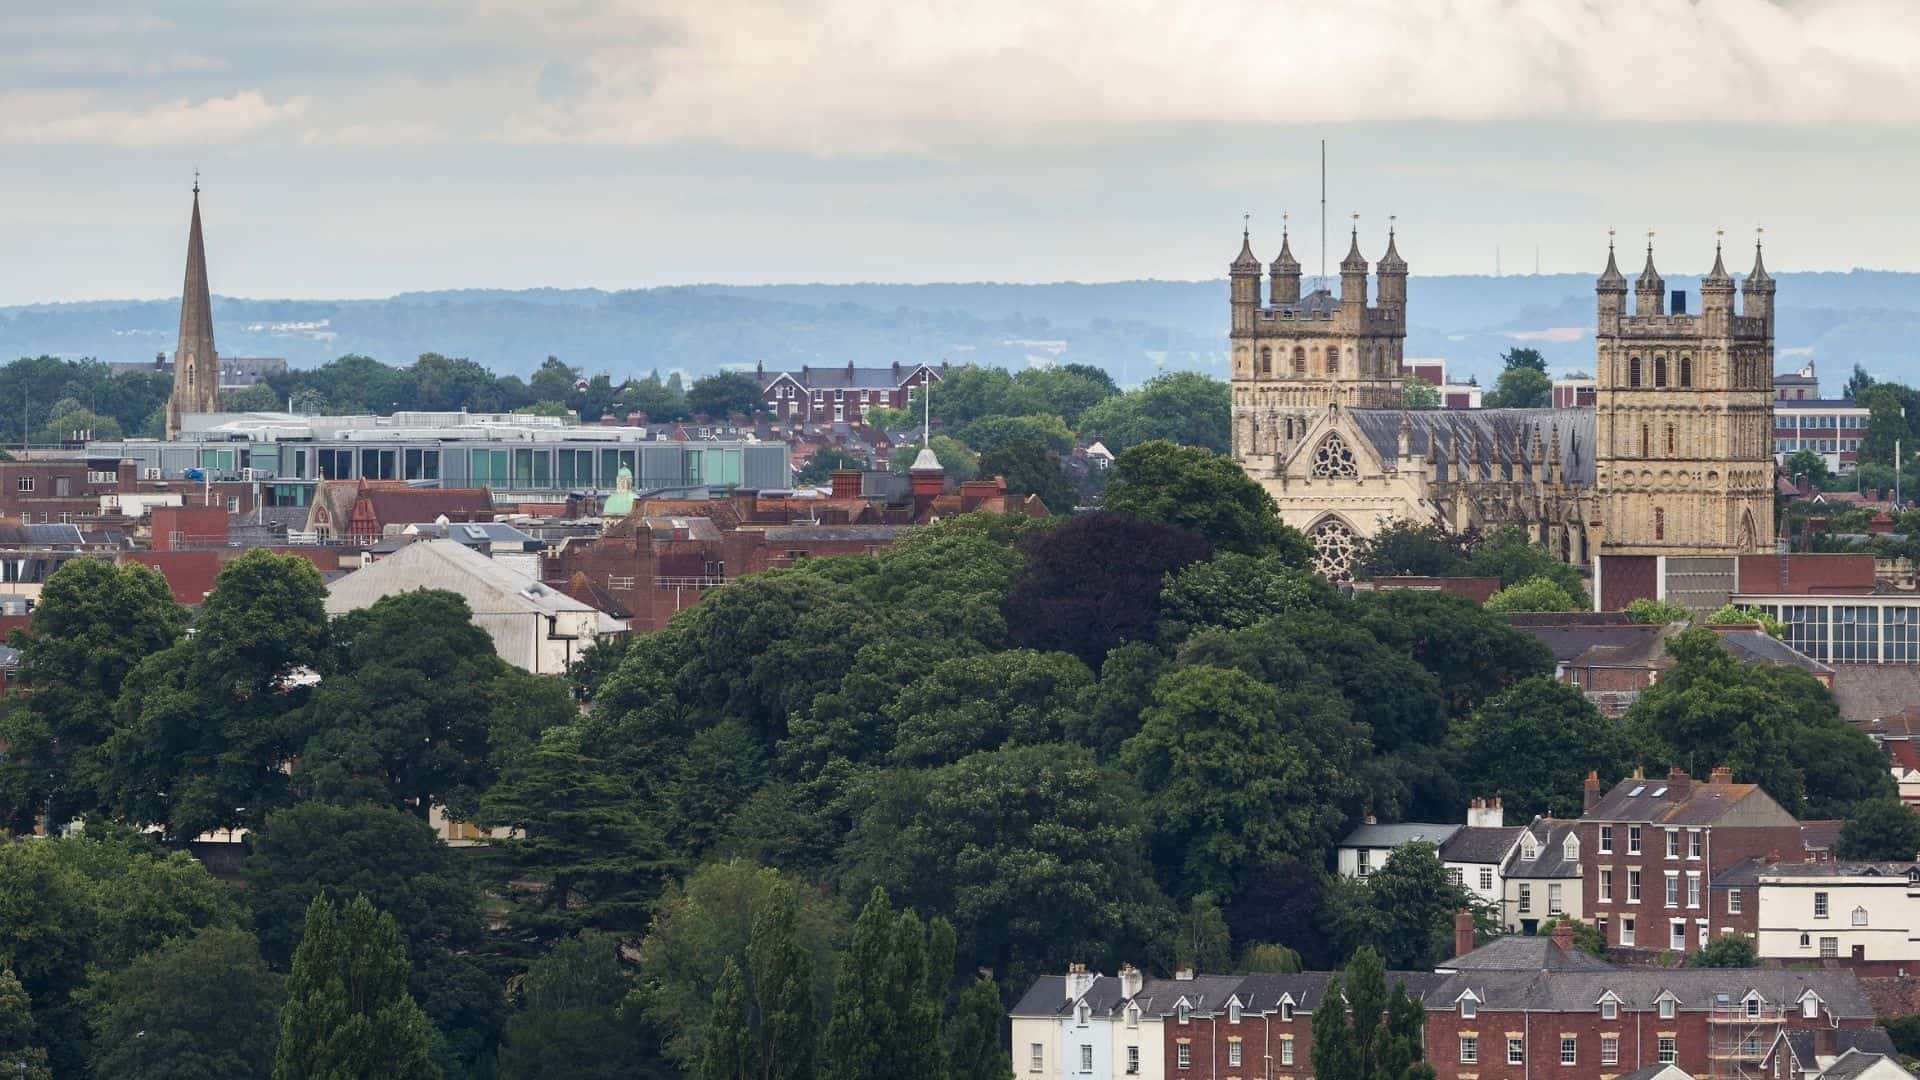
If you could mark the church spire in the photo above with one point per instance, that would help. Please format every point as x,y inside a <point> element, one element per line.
<point>196,369</point>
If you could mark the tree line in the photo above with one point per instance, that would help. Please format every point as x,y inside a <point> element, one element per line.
<point>831,810</point>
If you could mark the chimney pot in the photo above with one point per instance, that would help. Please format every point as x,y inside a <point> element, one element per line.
<point>1563,935</point>
<point>1591,797</point>
<point>1679,784</point>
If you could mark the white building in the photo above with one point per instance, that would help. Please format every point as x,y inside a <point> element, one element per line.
<point>1083,1024</point>
<point>1858,910</point>
<point>1542,879</point>
<point>1475,854</point>
<point>533,626</point>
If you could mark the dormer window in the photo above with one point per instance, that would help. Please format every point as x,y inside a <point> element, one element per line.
<point>1753,1006</point>
<point>1570,850</point>
<point>1529,850</point>
<point>1133,1016</point>
<point>1286,1010</point>
<point>1810,1007</point>
<point>1469,1007</point>
<point>1609,1009</point>
<point>1233,1012</point>
<point>1183,1012</point>
<point>1084,1013</point>
<point>1667,1006</point>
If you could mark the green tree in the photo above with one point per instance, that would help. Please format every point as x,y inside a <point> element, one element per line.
<point>1811,465</point>
<point>347,1013</point>
<point>1183,407</point>
<point>1203,942</point>
<point>1858,383</point>
<point>1586,936</point>
<point>1094,582</point>
<point>726,1051</point>
<point>1262,957</point>
<point>1880,829</point>
<point>1773,726</point>
<point>1404,910</point>
<point>824,463</point>
<point>1418,393</point>
<point>1534,744</point>
<point>1507,553</point>
<point>1336,1052</point>
<point>404,720</point>
<point>598,860</point>
<point>94,623</point>
<point>570,1021</point>
<point>1231,591</point>
<point>1729,613</point>
<point>972,703</point>
<point>975,1050</point>
<point>1473,653</point>
<point>1660,612</point>
<point>993,432</point>
<point>1725,951</point>
<point>1232,776</point>
<point>1523,384</point>
<point>1033,852</point>
<point>1418,550</point>
<point>554,381</point>
<point>1029,469</point>
<point>655,400</point>
<point>200,1007</point>
<point>1190,488</point>
<point>256,398</point>
<point>21,1054</point>
<point>872,1035</point>
<point>724,394</point>
<point>1533,594</point>
<point>205,728</point>
<point>705,924</point>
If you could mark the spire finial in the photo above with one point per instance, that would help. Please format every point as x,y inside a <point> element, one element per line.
<point>1283,224</point>
<point>1356,225</point>
<point>1718,235</point>
<point>1246,226</point>
<point>196,182</point>
<point>1757,231</point>
<point>1649,243</point>
<point>1609,241</point>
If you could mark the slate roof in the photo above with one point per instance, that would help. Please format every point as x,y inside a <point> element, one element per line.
<point>1640,988</point>
<point>1569,641</point>
<point>1868,692</point>
<point>1807,1043</point>
<point>1649,1072</point>
<point>1841,869</point>
<point>1046,997</point>
<point>1855,1062</point>
<point>1312,305</point>
<point>1759,647</point>
<point>845,378</point>
<point>1520,952</point>
<point>488,586</point>
<point>1483,844</point>
<point>1652,800</point>
<point>1552,862</point>
<point>1496,429</point>
<point>1393,836</point>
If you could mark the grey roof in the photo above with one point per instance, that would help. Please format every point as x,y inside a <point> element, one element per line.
<point>1495,429</point>
<point>1046,997</point>
<point>1654,800</point>
<point>875,533</point>
<point>1842,869</point>
<point>1853,1063</point>
<point>1868,692</point>
<point>1160,997</point>
<point>1807,1044</point>
<point>1551,861</point>
<point>1316,303</point>
<point>1481,844</point>
<point>1641,988</point>
<point>1569,642</point>
<point>1740,875</point>
<point>1759,647</point>
<point>1782,404</point>
<point>488,586</point>
<point>1393,836</point>
<point>1518,952</point>
<point>844,378</point>
<point>1648,1072</point>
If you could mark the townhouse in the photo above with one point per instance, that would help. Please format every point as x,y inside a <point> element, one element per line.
<point>1542,878</point>
<point>1476,855</point>
<point>1863,912</point>
<point>1518,1008</point>
<point>1651,848</point>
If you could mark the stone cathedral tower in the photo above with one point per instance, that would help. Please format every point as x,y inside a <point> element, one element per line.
<point>1295,355</point>
<point>1684,415</point>
<point>196,367</point>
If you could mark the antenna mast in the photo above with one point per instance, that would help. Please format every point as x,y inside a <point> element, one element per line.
<point>1323,213</point>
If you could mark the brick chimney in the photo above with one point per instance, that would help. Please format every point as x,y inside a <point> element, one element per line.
<point>846,483</point>
<point>1563,935</point>
<point>1462,932</point>
<point>1591,797</point>
<point>1679,784</point>
<point>1721,774</point>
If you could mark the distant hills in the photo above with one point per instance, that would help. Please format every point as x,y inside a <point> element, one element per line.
<point>1131,328</point>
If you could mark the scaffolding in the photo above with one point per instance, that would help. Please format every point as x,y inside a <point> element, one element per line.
<point>1740,1032</point>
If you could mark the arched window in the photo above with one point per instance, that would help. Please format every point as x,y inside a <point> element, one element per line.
<point>1644,444</point>
<point>1299,361</point>
<point>1669,440</point>
<point>1659,371</point>
<point>1686,371</point>
<point>1333,459</point>
<point>1333,359</point>
<point>1659,523</point>
<point>1859,916</point>
<point>1633,372</point>
<point>1266,360</point>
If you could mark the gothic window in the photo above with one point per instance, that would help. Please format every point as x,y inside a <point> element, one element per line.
<point>1333,360</point>
<point>1333,459</point>
<point>1633,372</point>
<point>1299,361</point>
<point>1334,548</point>
<point>1686,371</point>
<point>1659,371</point>
<point>1659,523</point>
<point>1644,442</point>
<point>1669,440</point>
<point>1266,360</point>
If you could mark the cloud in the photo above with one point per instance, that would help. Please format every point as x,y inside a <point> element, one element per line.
<point>852,76</point>
<point>68,118</point>
<point>399,133</point>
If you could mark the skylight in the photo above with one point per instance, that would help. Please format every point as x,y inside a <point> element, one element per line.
<point>1659,791</point>
<point>1637,790</point>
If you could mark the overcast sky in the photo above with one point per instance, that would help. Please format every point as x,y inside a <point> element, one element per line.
<point>366,147</point>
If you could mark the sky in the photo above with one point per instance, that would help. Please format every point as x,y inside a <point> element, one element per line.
<point>366,147</point>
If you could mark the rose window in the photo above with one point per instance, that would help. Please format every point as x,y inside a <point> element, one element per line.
<point>1334,459</point>
<point>1334,549</point>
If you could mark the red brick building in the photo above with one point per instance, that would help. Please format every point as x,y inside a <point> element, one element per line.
<point>836,395</point>
<point>1650,849</point>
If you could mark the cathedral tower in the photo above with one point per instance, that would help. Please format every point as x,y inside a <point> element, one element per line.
<point>1298,354</point>
<point>196,367</point>
<point>1684,415</point>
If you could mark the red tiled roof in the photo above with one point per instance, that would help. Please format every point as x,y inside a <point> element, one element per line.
<point>409,505</point>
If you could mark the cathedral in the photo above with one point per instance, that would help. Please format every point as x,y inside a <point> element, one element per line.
<point>196,368</point>
<point>1674,458</point>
